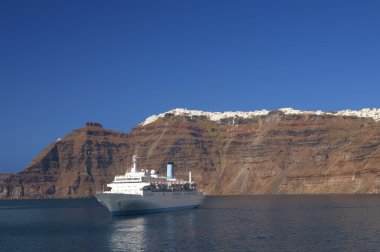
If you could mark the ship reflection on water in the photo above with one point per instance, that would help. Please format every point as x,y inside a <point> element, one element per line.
<point>127,234</point>
<point>146,232</point>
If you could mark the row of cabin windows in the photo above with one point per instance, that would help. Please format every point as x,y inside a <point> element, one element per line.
<point>126,182</point>
<point>126,179</point>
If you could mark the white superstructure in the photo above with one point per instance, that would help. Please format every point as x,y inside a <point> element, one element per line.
<point>139,192</point>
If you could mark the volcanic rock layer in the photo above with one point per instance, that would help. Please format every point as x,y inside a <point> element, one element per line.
<point>275,153</point>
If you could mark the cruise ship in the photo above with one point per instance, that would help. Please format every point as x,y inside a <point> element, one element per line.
<point>141,192</point>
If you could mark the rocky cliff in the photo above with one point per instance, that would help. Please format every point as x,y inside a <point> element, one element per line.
<point>4,176</point>
<point>277,152</point>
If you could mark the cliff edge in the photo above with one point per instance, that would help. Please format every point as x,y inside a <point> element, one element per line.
<point>266,152</point>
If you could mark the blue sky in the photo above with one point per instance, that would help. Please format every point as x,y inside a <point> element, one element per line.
<point>63,63</point>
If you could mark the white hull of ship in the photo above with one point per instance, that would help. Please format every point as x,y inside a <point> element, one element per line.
<point>149,202</point>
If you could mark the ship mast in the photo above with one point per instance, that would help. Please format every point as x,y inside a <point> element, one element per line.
<point>134,160</point>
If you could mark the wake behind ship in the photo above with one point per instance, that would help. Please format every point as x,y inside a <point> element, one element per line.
<point>140,192</point>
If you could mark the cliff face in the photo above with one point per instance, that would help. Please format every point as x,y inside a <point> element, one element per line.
<point>4,176</point>
<point>266,154</point>
<point>75,166</point>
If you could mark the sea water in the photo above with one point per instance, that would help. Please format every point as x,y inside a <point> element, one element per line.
<point>223,223</point>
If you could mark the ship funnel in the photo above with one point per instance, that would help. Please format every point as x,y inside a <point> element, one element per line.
<point>170,171</point>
